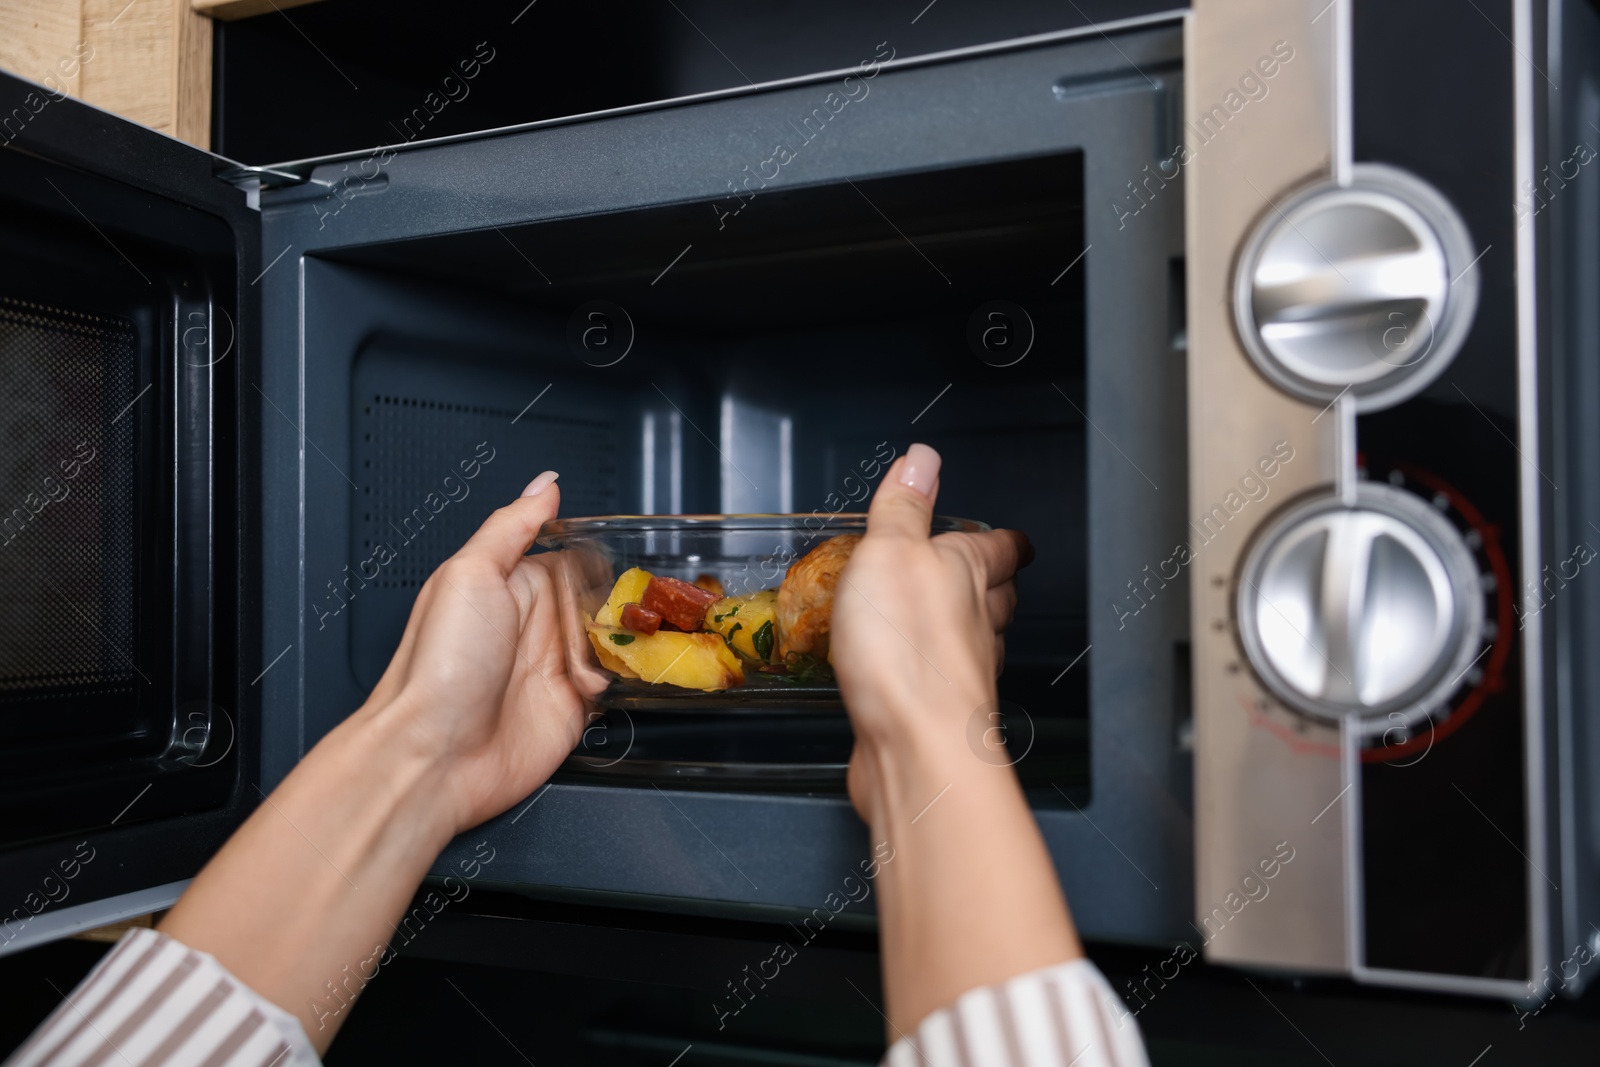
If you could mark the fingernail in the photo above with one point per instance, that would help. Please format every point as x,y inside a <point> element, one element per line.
<point>920,469</point>
<point>540,484</point>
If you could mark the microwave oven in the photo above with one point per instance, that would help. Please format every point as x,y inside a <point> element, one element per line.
<point>1273,331</point>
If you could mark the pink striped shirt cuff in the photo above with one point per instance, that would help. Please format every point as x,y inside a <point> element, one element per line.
<point>1061,1016</point>
<point>153,1001</point>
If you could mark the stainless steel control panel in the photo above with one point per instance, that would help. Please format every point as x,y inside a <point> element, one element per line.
<point>1336,610</point>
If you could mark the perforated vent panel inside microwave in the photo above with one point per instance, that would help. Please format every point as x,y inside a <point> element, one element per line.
<point>67,500</point>
<point>416,454</point>
<point>439,444</point>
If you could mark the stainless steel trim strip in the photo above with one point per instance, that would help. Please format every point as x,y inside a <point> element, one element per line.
<point>56,924</point>
<point>1345,480</point>
<point>1355,905</point>
<point>1562,704</point>
<point>1528,443</point>
<point>1343,104</point>
<point>1446,983</point>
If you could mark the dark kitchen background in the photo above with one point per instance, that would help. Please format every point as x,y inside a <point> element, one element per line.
<point>342,76</point>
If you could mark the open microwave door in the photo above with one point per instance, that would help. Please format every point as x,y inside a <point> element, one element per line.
<point>127,342</point>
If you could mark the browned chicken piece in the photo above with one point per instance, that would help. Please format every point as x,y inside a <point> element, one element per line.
<point>805,599</point>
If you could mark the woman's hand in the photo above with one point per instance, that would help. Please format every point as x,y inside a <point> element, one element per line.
<point>480,681</point>
<point>475,711</point>
<point>918,623</point>
<point>967,894</point>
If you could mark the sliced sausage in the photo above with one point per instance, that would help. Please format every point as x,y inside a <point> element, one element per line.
<point>677,602</point>
<point>640,618</point>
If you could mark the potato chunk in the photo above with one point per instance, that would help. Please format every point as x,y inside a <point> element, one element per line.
<point>746,623</point>
<point>689,661</point>
<point>628,590</point>
<point>605,652</point>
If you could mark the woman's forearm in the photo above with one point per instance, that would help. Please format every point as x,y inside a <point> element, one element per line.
<point>474,713</point>
<point>302,900</point>
<point>971,897</point>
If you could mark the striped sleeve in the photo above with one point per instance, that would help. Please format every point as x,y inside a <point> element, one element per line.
<point>1061,1016</point>
<point>153,1001</point>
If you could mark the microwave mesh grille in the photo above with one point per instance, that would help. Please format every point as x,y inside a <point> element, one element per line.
<point>414,455</point>
<point>67,500</point>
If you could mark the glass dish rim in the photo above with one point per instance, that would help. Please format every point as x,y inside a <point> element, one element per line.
<point>557,531</point>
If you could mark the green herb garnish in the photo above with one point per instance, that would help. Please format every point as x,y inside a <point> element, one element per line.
<point>621,639</point>
<point>805,669</point>
<point>731,611</point>
<point>762,640</point>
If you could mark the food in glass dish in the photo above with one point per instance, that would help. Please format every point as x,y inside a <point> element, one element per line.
<point>668,631</point>
<point>724,634</point>
<point>805,599</point>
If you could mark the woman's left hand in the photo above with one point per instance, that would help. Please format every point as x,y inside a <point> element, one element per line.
<point>476,710</point>
<point>480,681</point>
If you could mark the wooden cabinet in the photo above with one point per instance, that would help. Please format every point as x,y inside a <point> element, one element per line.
<point>146,60</point>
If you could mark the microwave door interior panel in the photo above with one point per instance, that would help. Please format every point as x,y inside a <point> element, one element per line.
<point>1277,688</point>
<point>127,542</point>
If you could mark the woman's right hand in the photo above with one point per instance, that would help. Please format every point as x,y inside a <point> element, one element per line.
<point>966,892</point>
<point>918,626</point>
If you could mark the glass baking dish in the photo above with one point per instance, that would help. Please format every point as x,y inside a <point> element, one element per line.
<point>745,558</point>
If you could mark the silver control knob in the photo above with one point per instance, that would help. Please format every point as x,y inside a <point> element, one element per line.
<point>1364,610</point>
<point>1364,287</point>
